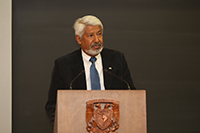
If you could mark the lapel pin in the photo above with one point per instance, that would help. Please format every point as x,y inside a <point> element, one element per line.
<point>110,68</point>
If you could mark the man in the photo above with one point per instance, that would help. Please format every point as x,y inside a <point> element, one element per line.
<point>108,71</point>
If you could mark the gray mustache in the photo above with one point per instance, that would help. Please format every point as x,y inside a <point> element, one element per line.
<point>96,44</point>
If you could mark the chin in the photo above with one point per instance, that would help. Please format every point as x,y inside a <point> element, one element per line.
<point>94,52</point>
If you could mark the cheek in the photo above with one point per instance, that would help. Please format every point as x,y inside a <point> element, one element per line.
<point>87,44</point>
<point>101,40</point>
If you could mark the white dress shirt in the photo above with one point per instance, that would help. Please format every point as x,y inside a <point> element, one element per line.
<point>99,67</point>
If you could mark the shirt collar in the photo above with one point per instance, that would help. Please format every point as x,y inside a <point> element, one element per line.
<point>87,57</point>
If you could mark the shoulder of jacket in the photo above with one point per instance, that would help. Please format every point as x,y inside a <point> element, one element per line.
<point>112,52</point>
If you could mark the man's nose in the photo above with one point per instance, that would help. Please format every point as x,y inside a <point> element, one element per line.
<point>96,38</point>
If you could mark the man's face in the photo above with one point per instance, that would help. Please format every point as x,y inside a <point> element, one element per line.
<point>92,40</point>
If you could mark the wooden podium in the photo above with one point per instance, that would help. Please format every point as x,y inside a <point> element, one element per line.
<point>70,114</point>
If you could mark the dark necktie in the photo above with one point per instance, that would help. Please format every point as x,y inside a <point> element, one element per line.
<point>94,76</point>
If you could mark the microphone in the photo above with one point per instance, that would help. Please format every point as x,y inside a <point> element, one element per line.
<point>118,78</point>
<point>76,78</point>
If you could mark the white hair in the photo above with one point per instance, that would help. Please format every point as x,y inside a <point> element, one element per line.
<point>81,23</point>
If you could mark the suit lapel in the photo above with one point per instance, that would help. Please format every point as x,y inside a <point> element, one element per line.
<point>107,64</point>
<point>77,69</point>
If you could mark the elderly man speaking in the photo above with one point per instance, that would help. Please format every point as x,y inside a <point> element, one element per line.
<point>92,67</point>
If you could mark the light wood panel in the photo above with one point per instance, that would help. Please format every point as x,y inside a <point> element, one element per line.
<point>71,110</point>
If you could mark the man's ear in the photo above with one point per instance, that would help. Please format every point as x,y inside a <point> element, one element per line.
<point>78,39</point>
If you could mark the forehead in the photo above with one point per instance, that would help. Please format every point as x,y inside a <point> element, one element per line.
<point>92,29</point>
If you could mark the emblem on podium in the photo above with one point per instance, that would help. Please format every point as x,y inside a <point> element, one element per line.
<point>102,116</point>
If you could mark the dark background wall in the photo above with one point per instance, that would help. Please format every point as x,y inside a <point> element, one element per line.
<point>160,40</point>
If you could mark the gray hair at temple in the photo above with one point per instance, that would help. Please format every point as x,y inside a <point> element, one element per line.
<point>81,23</point>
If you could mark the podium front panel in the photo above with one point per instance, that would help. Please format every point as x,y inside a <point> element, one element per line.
<point>71,110</point>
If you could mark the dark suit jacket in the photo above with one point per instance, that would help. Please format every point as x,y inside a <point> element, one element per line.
<point>69,66</point>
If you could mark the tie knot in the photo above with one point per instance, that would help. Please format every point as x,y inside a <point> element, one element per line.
<point>93,59</point>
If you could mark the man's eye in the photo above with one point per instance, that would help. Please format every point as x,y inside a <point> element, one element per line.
<point>99,34</point>
<point>90,35</point>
